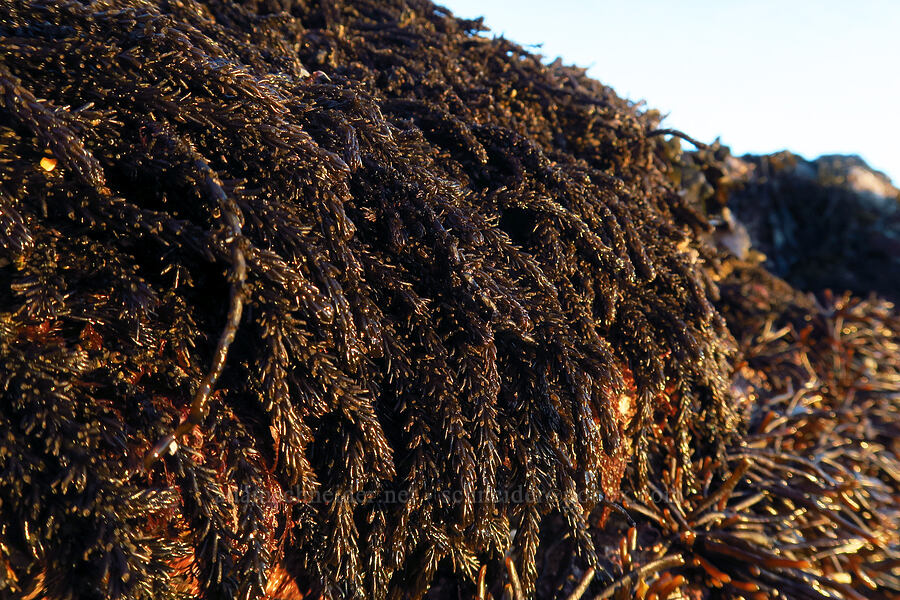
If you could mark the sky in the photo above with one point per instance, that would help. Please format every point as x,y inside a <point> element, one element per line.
<point>813,77</point>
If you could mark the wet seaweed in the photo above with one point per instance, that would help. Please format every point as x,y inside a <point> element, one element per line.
<point>346,300</point>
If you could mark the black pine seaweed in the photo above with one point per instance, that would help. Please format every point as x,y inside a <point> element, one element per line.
<point>404,295</point>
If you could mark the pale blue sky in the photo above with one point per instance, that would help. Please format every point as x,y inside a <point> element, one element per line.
<point>814,77</point>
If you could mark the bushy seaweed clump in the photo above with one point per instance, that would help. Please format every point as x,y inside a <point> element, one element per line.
<point>453,254</point>
<point>463,291</point>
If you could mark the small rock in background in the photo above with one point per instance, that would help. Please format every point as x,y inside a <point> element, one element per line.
<point>830,223</point>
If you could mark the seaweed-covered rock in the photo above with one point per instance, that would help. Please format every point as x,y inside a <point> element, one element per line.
<point>443,266</point>
<point>830,223</point>
<point>344,300</point>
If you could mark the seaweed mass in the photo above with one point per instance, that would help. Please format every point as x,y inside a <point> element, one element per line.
<point>343,299</point>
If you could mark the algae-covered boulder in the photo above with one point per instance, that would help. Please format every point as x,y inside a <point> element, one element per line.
<point>828,223</point>
<point>348,300</point>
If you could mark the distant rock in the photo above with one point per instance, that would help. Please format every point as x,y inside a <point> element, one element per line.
<point>853,172</point>
<point>833,222</point>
